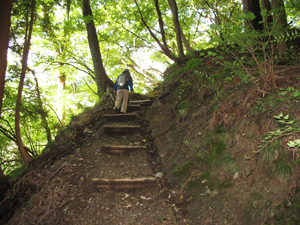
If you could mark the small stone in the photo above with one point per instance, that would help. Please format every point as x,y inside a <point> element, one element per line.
<point>176,210</point>
<point>236,175</point>
<point>159,175</point>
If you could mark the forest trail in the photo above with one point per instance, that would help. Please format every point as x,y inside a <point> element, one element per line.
<point>110,179</point>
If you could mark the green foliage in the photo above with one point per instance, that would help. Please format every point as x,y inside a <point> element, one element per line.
<point>14,174</point>
<point>217,147</point>
<point>270,147</point>
<point>284,169</point>
<point>254,51</point>
<point>195,183</point>
<point>183,108</point>
<point>194,63</point>
<point>288,127</point>
<point>217,150</point>
<point>183,170</point>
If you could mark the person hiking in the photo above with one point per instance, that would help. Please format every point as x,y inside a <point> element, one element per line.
<point>121,89</point>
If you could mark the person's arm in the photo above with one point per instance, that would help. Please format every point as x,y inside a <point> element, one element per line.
<point>116,86</point>
<point>130,83</point>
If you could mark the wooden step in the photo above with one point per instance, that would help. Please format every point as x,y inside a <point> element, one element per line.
<point>122,149</point>
<point>126,183</point>
<point>120,129</point>
<point>133,108</point>
<point>141,102</point>
<point>120,116</point>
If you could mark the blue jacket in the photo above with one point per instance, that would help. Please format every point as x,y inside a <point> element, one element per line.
<point>128,83</point>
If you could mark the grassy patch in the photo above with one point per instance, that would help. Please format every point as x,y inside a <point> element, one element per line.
<point>183,170</point>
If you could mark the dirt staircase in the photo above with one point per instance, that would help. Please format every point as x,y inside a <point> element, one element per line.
<point>116,126</point>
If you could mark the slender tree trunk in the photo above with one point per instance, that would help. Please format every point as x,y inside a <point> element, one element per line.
<point>101,78</point>
<point>265,4</point>
<point>4,184</point>
<point>174,10</point>
<point>5,14</point>
<point>281,15</point>
<point>163,47</point>
<point>280,21</point>
<point>62,87</point>
<point>254,7</point>
<point>42,112</point>
<point>187,44</point>
<point>26,157</point>
<point>161,24</point>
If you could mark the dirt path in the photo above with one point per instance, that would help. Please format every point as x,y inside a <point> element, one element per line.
<point>61,188</point>
<point>87,204</point>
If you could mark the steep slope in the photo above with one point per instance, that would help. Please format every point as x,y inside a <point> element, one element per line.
<point>207,134</point>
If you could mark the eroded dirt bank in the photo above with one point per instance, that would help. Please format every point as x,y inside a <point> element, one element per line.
<point>208,144</point>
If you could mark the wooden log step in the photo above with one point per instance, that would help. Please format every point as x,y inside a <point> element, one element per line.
<point>122,149</point>
<point>125,183</point>
<point>120,116</point>
<point>141,102</point>
<point>120,129</point>
<point>132,108</point>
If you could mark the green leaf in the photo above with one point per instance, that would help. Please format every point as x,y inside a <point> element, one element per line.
<point>279,116</point>
<point>293,144</point>
<point>286,117</point>
<point>290,122</point>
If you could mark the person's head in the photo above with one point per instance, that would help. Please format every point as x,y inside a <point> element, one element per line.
<point>126,71</point>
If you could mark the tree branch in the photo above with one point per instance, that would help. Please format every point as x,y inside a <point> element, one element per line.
<point>9,161</point>
<point>69,64</point>
<point>166,51</point>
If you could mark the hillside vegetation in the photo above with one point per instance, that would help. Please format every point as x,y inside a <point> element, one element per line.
<point>229,138</point>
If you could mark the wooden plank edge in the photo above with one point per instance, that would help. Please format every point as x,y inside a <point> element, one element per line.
<point>125,183</point>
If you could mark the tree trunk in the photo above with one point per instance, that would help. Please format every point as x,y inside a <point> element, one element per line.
<point>265,4</point>
<point>281,15</point>
<point>161,24</point>
<point>103,82</point>
<point>254,7</point>
<point>61,88</point>
<point>174,10</point>
<point>187,44</point>
<point>4,184</point>
<point>280,22</point>
<point>163,47</point>
<point>5,14</point>
<point>42,112</point>
<point>26,157</point>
